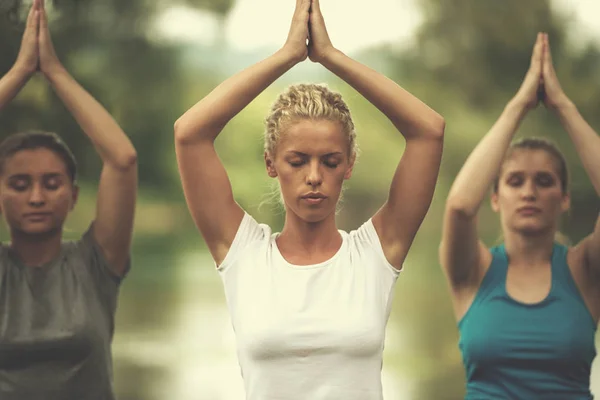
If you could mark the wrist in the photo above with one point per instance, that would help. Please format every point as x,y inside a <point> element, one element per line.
<point>290,56</point>
<point>21,72</point>
<point>330,57</point>
<point>54,73</point>
<point>517,106</point>
<point>564,105</point>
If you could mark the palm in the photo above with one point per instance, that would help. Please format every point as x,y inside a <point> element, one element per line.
<point>49,62</point>
<point>28,57</point>
<point>319,44</point>
<point>298,35</point>
<point>530,91</point>
<point>554,96</point>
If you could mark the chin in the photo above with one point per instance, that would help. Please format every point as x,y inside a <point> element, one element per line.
<point>532,229</point>
<point>39,230</point>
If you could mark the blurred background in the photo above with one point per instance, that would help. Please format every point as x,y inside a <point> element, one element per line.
<point>148,61</point>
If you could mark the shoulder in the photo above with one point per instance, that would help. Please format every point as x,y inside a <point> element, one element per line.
<point>251,235</point>
<point>365,244</point>
<point>86,252</point>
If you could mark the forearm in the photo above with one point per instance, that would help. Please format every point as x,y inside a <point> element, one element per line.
<point>483,164</point>
<point>111,143</point>
<point>412,117</point>
<point>208,117</point>
<point>11,84</point>
<point>585,139</point>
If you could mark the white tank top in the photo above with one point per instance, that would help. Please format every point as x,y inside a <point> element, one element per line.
<point>308,332</point>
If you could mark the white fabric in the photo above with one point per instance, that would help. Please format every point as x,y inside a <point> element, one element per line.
<point>308,332</point>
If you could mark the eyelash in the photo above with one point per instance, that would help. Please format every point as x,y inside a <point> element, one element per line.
<point>299,164</point>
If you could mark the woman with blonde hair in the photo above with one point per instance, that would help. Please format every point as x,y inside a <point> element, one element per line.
<point>527,310</point>
<point>309,305</point>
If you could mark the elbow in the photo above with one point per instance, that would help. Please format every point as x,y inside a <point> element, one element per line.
<point>437,127</point>
<point>431,128</point>
<point>187,132</point>
<point>180,131</point>
<point>127,160</point>
<point>461,206</point>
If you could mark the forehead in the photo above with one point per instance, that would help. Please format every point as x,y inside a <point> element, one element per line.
<point>530,161</point>
<point>34,162</point>
<point>314,137</point>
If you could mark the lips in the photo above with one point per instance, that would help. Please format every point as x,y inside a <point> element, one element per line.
<point>314,195</point>
<point>528,210</point>
<point>37,215</point>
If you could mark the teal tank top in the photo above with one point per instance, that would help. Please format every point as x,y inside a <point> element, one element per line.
<point>517,351</point>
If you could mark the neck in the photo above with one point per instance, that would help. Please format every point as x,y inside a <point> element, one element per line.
<point>310,236</point>
<point>36,250</point>
<point>529,250</point>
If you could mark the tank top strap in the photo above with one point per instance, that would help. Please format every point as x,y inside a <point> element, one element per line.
<point>563,278</point>
<point>560,267</point>
<point>495,277</point>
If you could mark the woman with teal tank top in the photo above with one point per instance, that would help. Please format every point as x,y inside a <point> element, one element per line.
<point>58,298</point>
<point>527,310</point>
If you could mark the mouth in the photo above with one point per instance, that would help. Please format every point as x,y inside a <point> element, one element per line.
<point>37,215</point>
<point>314,197</point>
<point>529,210</point>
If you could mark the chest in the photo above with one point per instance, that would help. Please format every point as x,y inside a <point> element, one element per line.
<point>335,309</point>
<point>558,332</point>
<point>48,316</point>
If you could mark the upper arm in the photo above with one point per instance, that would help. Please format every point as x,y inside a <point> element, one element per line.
<point>411,191</point>
<point>590,248</point>
<point>208,195</point>
<point>462,255</point>
<point>115,210</point>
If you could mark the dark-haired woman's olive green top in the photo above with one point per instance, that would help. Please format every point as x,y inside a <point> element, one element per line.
<point>56,325</point>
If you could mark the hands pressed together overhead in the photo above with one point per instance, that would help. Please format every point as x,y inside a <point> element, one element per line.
<point>541,82</point>
<point>308,35</point>
<point>37,51</point>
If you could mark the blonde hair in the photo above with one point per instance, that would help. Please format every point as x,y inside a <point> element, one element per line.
<point>308,101</point>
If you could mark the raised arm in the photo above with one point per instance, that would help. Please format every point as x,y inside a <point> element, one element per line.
<point>587,145</point>
<point>117,190</point>
<point>27,60</point>
<point>206,186</point>
<point>462,255</point>
<point>414,182</point>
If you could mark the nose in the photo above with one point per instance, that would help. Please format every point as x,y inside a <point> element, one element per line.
<point>529,190</point>
<point>314,177</point>
<point>37,196</point>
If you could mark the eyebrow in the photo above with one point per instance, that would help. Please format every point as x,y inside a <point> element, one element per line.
<point>301,154</point>
<point>27,176</point>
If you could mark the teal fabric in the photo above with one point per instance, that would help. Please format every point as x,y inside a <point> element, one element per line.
<point>536,351</point>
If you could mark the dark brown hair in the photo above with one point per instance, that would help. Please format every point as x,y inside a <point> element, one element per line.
<point>537,143</point>
<point>34,140</point>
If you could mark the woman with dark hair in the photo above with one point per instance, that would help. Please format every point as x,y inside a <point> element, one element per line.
<point>309,305</point>
<point>58,299</point>
<point>527,310</point>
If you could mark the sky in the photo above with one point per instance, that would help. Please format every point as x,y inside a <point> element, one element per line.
<point>352,24</point>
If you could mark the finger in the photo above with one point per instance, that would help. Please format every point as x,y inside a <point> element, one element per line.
<point>316,7</point>
<point>538,48</point>
<point>31,16</point>
<point>547,52</point>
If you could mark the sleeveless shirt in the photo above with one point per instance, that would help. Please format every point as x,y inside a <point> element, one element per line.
<point>514,351</point>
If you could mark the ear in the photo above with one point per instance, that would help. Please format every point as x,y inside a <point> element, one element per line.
<point>494,202</point>
<point>75,196</point>
<point>565,204</point>
<point>348,173</point>
<point>270,164</point>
